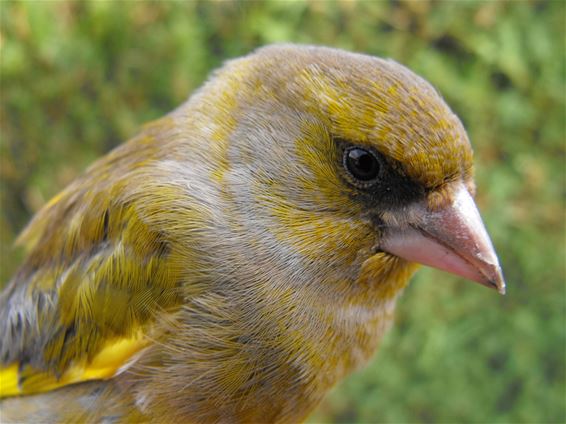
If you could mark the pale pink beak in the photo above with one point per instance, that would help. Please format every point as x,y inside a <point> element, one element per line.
<point>453,239</point>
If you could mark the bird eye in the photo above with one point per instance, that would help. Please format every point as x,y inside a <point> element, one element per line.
<point>363,165</point>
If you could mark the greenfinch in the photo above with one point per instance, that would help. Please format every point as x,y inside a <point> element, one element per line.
<point>240,256</point>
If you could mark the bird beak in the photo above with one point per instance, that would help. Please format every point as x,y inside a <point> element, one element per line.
<point>453,239</point>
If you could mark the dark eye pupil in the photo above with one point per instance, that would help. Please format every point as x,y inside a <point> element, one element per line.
<point>362,164</point>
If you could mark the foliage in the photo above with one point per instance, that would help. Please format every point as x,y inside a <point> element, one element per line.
<point>77,78</point>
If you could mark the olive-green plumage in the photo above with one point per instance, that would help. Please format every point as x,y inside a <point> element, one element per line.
<point>224,265</point>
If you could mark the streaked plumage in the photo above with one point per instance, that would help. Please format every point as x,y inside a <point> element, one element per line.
<point>223,265</point>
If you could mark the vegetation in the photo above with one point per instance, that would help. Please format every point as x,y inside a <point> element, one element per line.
<point>78,78</point>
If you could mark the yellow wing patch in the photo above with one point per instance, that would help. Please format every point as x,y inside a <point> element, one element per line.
<point>106,364</point>
<point>9,381</point>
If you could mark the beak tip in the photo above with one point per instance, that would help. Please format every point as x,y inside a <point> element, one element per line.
<point>498,283</point>
<point>501,288</point>
<point>495,282</point>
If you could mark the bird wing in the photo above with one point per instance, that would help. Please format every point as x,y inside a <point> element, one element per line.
<point>95,278</point>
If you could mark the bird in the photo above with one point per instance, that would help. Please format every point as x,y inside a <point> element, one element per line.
<point>240,256</point>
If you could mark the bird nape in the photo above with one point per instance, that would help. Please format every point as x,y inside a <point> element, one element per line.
<point>240,256</point>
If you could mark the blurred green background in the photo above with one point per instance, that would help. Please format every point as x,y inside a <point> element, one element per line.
<point>78,78</point>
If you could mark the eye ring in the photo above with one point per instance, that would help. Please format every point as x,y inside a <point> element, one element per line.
<point>362,165</point>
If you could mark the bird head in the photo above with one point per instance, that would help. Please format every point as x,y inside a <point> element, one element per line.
<point>340,157</point>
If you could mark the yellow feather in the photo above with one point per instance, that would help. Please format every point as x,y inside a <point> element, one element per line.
<point>9,381</point>
<point>106,364</point>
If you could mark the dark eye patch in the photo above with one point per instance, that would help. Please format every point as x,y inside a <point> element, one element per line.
<point>375,179</point>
